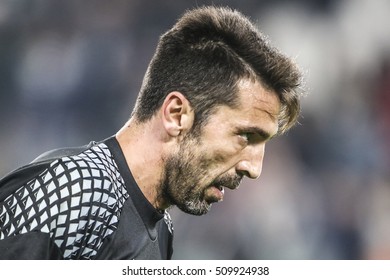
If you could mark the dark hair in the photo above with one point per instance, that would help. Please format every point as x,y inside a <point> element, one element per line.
<point>205,54</point>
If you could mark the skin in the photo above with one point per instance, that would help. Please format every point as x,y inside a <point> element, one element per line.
<point>172,167</point>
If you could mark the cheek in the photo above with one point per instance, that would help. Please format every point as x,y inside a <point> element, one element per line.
<point>214,157</point>
<point>223,156</point>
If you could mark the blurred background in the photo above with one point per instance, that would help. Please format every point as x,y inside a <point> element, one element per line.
<point>70,72</point>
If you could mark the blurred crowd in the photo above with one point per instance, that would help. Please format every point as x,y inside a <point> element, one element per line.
<point>70,72</point>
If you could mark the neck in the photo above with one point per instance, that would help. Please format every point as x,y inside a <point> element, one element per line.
<point>143,152</point>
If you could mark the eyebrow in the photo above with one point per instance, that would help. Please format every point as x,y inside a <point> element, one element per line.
<point>259,131</point>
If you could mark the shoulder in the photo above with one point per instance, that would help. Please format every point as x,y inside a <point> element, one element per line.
<point>70,197</point>
<point>21,176</point>
<point>92,174</point>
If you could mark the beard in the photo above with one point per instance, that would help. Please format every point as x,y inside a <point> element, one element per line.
<point>183,172</point>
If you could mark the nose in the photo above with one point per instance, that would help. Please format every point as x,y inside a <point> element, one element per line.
<point>252,163</point>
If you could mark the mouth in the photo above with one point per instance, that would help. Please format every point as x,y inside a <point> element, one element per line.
<point>221,189</point>
<point>231,183</point>
<point>214,193</point>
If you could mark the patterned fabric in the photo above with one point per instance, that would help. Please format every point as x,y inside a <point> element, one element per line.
<point>77,200</point>
<point>168,221</point>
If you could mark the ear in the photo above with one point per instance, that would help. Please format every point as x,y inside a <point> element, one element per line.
<point>177,114</point>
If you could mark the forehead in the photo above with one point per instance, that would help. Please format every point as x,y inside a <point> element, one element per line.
<point>257,108</point>
<point>255,97</point>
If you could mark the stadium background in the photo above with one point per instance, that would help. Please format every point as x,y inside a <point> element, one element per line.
<point>70,71</point>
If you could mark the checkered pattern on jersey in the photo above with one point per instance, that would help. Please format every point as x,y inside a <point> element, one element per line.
<point>77,200</point>
<point>168,221</point>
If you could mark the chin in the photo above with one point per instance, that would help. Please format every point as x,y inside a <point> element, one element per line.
<point>197,209</point>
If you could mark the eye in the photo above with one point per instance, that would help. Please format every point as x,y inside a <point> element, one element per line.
<point>245,136</point>
<point>252,138</point>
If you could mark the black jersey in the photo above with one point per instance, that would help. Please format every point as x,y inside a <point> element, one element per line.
<point>80,203</point>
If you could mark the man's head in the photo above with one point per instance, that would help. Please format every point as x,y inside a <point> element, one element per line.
<point>230,146</point>
<point>204,56</point>
<point>221,91</point>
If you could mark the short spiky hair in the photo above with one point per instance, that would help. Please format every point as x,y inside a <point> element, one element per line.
<point>205,54</point>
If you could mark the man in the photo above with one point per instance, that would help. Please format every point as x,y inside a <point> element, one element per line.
<point>214,93</point>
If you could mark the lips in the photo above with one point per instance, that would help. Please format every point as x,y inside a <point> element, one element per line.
<point>215,191</point>
<point>221,188</point>
<point>214,194</point>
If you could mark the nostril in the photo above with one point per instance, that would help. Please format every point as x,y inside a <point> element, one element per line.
<point>243,173</point>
